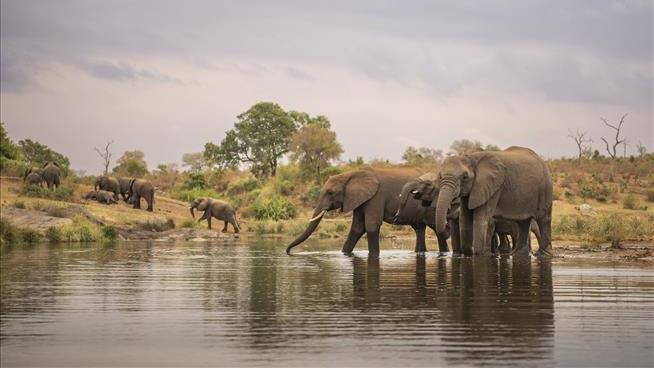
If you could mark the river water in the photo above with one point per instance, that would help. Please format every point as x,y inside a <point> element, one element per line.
<point>245,302</point>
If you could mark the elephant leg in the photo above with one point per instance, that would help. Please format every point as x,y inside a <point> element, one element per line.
<point>356,231</point>
<point>521,247</point>
<point>421,247</point>
<point>137,201</point>
<point>456,236</point>
<point>151,203</point>
<point>209,221</point>
<point>465,229</point>
<point>494,241</point>
<point>373,223</point>
<point>224,230</point>
<point>504,244</point>
<point>442,242</point>
<point>234,225</point>
<point>480,237</point>
<point>545,229</point>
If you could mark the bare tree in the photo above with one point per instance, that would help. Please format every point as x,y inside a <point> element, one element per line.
<point>613,150</point>
<point>580,138</point>
<point>106,156</point>
<point>641,149</point>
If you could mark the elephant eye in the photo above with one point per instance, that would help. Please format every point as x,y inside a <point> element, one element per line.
<point>465,175</point>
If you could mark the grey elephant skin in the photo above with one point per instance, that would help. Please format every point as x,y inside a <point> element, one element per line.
<point>51,174</point>
<point>123,184</point>
<point>109,184</point>
<point>514,185</point>
<point>33,176</point>
<point>372,195</point>
<point>102,196</point>
<point>218,209</point>
<point>141,188</point>
<point>423,191</point>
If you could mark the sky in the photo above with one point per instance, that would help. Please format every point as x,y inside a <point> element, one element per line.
<point>166,77</point>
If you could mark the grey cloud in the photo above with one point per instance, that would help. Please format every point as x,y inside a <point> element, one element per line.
<point>298,74</point>
<point>125,72</point>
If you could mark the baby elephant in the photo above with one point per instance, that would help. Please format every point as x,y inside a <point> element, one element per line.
<point>215,208</point>
<point>101,196</point>
<point>33,177</point>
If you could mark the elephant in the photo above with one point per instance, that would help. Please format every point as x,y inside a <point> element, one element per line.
<point>372,195</point>
<point>109,184</point>
<point>427,213</point>
<point>123,185</point>
<point>514,185</point>
<point>425,189</point>
<point>141,188</point>
<point>215,208</point>
<point>33,177</point>
<point>102,196</point>
<point>51,174</point>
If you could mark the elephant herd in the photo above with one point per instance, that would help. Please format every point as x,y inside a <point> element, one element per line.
<point>479,200</point>
<point>49,173</point>
<point>108,190</point>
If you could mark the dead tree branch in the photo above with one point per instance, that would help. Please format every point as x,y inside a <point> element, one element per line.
<point>580,138</point>
<point>612,151</point>
<point>106,156</point>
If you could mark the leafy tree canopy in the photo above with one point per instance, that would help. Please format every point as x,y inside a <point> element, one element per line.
<point>131,164</point>
<point>37,154</point>
<point>314,146</point>
<point>465,146</point>
<point>422,156</point>
<point>8,149</point>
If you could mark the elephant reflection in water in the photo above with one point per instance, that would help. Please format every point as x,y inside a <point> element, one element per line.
<point>503,303</point>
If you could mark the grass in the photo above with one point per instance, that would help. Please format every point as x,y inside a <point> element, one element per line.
<point>61,193</point>
<point>10,234</point>
<point>613,228</point>
<point>156,225</point>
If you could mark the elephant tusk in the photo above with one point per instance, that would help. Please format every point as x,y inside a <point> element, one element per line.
<point>320,215</point>
<point>414,192</point>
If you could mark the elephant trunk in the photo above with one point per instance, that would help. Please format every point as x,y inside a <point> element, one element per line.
<point>192,211</point>
<point>445,198</point>
<point>313,224</point>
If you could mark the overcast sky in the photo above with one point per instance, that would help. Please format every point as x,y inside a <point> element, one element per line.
<point>168,76</point>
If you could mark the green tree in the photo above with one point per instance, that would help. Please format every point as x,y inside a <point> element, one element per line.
<point>465,146</point>
<point>313,147</point>
<point>422,156</point>
<point>8,149</point>
<point>132,164</point>
<point>260,138</point>
<point>301,119</point>
<point>194,161</point>
<point>37,154</point>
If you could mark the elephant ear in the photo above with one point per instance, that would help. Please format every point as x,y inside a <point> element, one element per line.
<point>489,178</point>
<point>361,186</point>
<point>204,204</point>
<point>131,185</point>
<point>45,164</point>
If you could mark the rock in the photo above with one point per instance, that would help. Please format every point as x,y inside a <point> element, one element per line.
<point>585,209</point>
<point>34,220</point>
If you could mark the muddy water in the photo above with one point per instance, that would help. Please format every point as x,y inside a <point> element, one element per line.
<point>247,303</point>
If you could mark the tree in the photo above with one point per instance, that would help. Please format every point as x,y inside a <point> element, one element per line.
<point>422,156</point>
<point>641,149</point>
<point>314,146</point>
<point>194,161</point>
<point>492,147</point>
<point>301,119</point>
<point>259,138</point>
<point>37,154</point>
<point>580,138</point>
<point>8,149</point>
<point>613,151</point>
<point>106,156</point>
<point>465,146</point>
<point>131,163</point>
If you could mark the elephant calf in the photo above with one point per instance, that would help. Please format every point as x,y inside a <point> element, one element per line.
<point>101,196</point>
<point>33,177</point>
<point>215,208</point>
<point>109,184</point>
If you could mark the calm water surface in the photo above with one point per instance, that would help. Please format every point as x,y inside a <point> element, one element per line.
<point>247,303</point>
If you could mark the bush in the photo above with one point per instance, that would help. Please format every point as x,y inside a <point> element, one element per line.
<point>157,225</point>
<point>613,228</point>
<point>649,195</point>
<point>62,193</point>
<point>12,168</point>
<point>274,207</point>
<point>81,230</point>
<point>629,202</point>
<point>190,223</point>
<point>311,195</point>
<point>283,186</point>
<point>54,234</point>
<point>18,204</point>
<point>195,180</point>
<point>188,195</point>
<point>243,185</point>
<point>109,233</point>
<point>30,236</point>
<point>8,232</point>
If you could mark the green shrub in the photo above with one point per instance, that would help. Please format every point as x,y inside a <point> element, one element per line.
<point>8,232</point>
<point>14,168</point>
<point>273,207</point>
<point>311,196</point>
<point>195,180</point>
<point>18,204</point>
<point>629,202</point>
<point>61,193</point>
<point>109,233</point>
<point>649,195</point>
<point>30,236</point>
<point>188,195</point>
<point>190,223</point>
<point>243,185</point>
<point>283,187</point>
<point>609,228</point>
<point>81,230</point>
<point>54,234</point>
